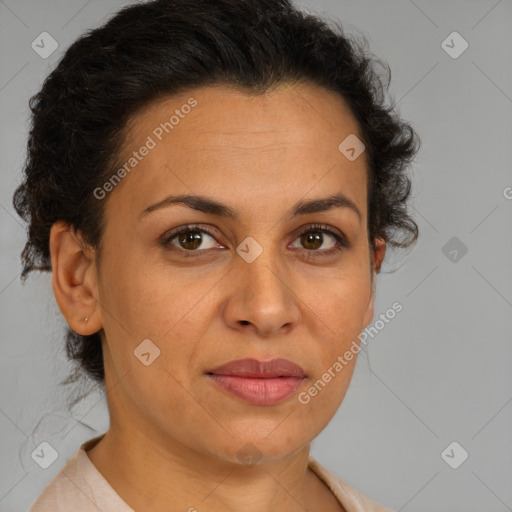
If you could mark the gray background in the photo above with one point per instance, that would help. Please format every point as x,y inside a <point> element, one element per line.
<point>438,372</point>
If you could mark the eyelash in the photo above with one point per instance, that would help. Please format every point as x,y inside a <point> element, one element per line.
<point>342,242</point>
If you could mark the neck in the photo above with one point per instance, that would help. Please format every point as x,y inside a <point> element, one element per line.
<point>168,476</point>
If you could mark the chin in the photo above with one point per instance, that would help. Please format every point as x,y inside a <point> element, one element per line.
<point>249,449</point>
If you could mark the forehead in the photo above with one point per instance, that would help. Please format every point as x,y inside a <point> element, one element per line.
<point>234,144</point>
<point>224,113</point>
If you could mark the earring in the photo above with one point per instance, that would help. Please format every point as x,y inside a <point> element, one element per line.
<point>86,319</point>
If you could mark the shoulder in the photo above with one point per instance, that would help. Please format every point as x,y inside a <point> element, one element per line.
<point>62,490</point>
<point>351,498</point>
<point>79,486</point>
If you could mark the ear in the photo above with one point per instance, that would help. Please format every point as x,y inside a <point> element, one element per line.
<point>378,258</point>
<point>74,279</point>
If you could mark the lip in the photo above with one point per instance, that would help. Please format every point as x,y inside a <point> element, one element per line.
<point>260,369</point>
<point>259,382</point>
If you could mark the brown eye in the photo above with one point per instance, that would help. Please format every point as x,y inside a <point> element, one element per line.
<point>312,240</point>
<point>190,239</point>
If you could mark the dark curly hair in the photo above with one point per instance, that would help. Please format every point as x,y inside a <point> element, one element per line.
<point>153,49</point>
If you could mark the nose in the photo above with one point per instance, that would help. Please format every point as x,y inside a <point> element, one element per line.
<point>262,298</point>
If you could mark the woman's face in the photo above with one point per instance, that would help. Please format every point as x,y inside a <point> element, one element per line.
<point>248,287</point>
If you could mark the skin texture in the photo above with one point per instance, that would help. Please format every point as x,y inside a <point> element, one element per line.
<point>259,154</point>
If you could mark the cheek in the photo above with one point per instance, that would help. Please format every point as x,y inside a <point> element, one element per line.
<point>152,305</point>
<point>322,397</point>
<point>336,358</point>
<point>339,317</point>
<point>340,303</point>
<point>147,300</point>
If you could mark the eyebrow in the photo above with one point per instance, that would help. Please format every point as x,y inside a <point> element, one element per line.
<point>214,207</point>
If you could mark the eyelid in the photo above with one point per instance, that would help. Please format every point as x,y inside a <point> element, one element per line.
<point>342,243</point>
<point>166,237</point>
<point>323,227</point>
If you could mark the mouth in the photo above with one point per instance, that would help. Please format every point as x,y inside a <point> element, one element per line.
<point>259,382</point>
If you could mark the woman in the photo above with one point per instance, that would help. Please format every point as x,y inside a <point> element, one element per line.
<point>213,184</point>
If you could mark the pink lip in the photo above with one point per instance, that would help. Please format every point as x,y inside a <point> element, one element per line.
<point>259,382</point>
